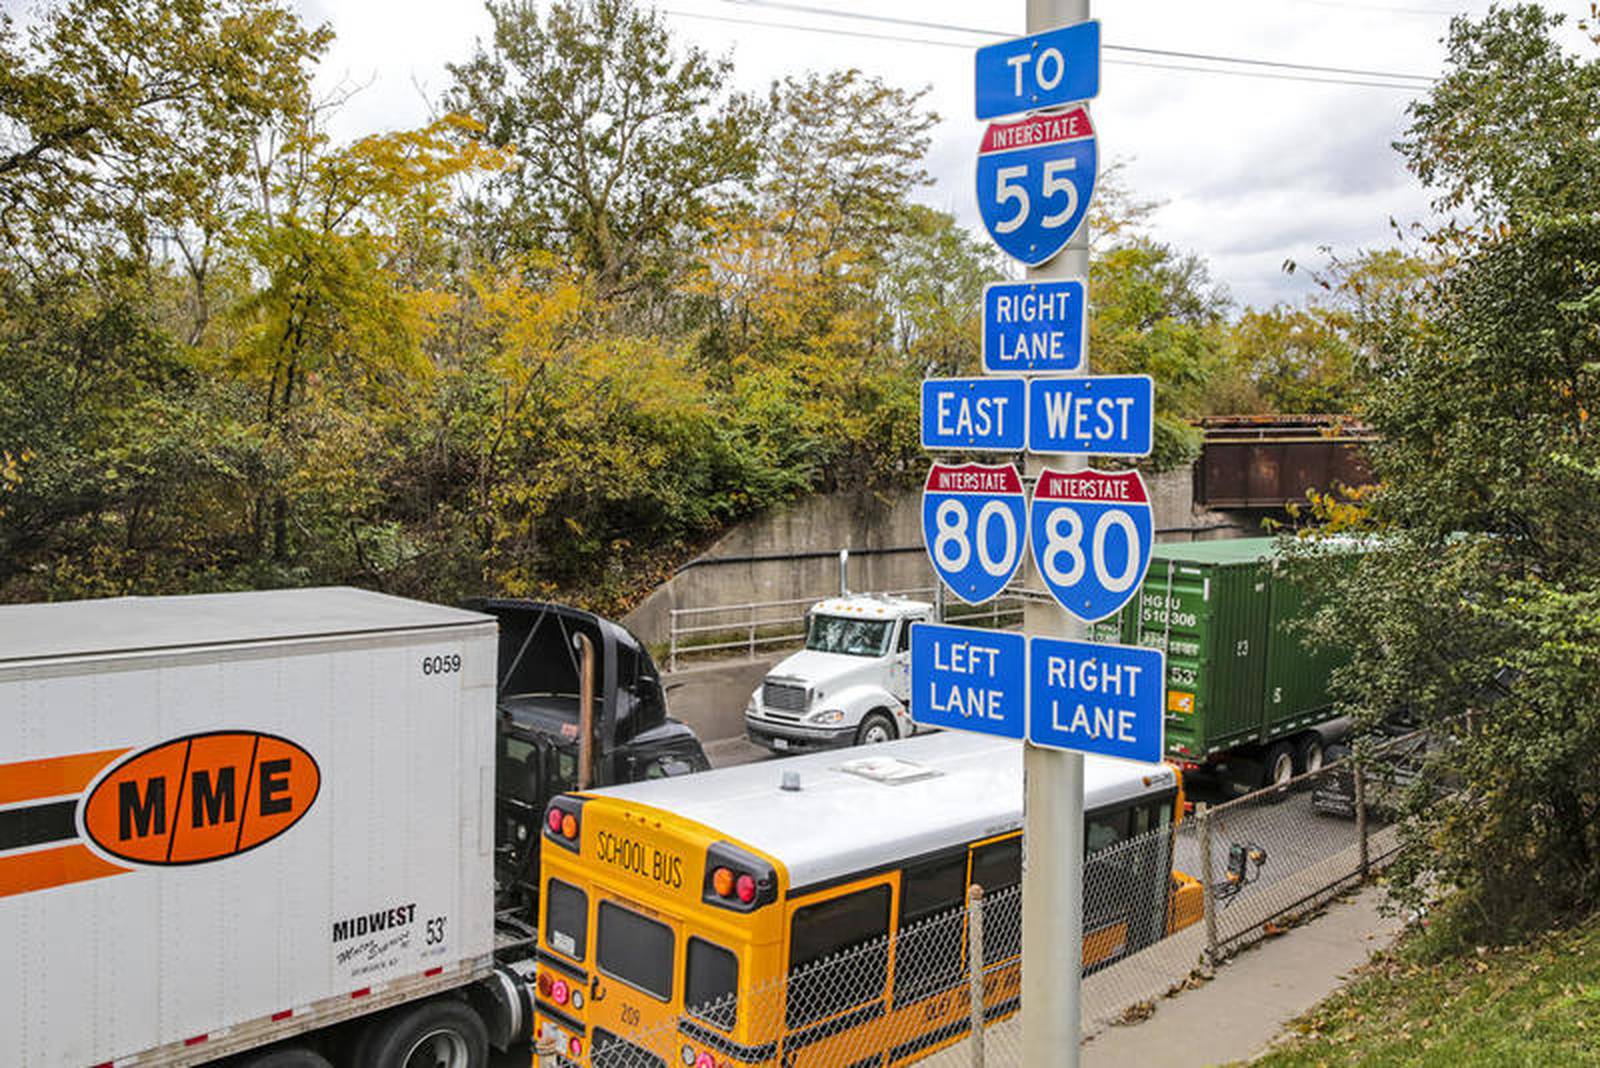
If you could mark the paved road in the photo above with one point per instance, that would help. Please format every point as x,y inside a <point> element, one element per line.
<point>1293,835</point>
<point>727,752</point>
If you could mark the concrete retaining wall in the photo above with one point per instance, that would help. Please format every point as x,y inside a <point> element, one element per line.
<point>762,559</point>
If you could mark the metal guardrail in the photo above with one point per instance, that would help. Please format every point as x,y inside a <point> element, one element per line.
<point>759,624</point>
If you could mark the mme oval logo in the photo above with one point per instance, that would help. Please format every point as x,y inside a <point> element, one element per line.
<point>201,797</point>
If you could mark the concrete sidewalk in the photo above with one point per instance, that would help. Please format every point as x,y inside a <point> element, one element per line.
<point>1237,1014</point>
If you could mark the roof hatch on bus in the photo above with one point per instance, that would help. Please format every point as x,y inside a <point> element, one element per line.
<point>891,771</point>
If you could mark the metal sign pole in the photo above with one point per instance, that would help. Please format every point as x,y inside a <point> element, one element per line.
<point>1052,877</point>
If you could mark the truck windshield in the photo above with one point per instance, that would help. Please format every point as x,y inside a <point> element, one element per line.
<point>857,637</point>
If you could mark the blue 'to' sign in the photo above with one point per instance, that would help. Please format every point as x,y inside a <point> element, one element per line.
<point>1059,66</point>
<point>1095,698</point>
<point>974,526</point>
<point>1091,532</point>
<point>1035,179</point>
<point>968,679</point>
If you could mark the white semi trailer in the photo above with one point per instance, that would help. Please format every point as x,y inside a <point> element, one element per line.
<point>267,825</point>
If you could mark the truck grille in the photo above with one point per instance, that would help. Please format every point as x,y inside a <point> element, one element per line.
<point>783,697</point>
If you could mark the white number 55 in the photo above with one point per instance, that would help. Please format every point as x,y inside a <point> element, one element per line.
<point>1007,187</point>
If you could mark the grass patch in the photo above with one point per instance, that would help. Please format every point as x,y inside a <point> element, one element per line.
<point>1534,1004</point>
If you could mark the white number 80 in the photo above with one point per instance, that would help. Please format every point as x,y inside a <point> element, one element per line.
<point>953,549</point>
<point>1070,543</point>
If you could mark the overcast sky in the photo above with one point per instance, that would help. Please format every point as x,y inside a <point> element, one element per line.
<point>1251,171</point>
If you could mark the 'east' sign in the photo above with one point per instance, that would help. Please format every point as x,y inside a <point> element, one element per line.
<point>1030,327</point>
<point>1103,415</point>
<point>979,414</point>
<point>968,679</point>
<point>1059,66</point>
<point>1035,180</point>
<point>1094,698</point>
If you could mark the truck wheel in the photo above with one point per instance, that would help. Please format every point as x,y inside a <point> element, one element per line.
<point>291,1057</point>
<point>434,1034</point>
<point>1279,765</point>
<point>877,727</point>
<point>1308,754</point>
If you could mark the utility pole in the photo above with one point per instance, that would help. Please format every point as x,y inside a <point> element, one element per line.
<point>1052,878</point>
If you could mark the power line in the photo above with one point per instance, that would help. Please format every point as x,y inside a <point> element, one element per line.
<point>1268,75</point>
<point>950,27</point>
<point>1265,74</point>
<point>1350,5</point>
<point>1267,63</point>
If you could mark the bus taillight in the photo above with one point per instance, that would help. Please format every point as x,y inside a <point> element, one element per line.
<point>562,821</point>
<point>738,879</point>
<point>729,884</point>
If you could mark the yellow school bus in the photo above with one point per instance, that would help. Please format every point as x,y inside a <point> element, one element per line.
<point>672,911</point>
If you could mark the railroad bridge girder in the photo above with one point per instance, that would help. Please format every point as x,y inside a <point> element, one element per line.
<point>1270,462</point>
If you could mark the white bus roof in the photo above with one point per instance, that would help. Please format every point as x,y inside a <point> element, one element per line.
<point>860,808</point>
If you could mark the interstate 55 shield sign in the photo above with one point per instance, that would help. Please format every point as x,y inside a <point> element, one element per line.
<point>1035,179</point>
<point>1091,532</point>
<point>974,526</point>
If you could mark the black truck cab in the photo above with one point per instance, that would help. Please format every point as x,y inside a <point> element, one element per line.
<point>537,692</point>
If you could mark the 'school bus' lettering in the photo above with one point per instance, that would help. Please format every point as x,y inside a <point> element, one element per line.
<point>640,858</point>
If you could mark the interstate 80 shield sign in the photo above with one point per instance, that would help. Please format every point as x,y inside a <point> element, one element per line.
<point>974,525</point>
<point>1035,179</point>
<point>1091,532</point>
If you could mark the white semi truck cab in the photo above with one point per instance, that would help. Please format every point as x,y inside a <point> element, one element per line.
<point>850,685</point>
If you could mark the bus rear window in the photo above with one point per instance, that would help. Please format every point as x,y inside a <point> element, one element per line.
<point>711,984</point>
<point>566,919</point>
<point>635,949</point>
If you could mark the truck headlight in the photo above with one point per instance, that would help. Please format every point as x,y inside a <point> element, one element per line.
<point>830,715</point>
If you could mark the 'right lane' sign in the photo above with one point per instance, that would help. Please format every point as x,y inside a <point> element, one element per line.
<point>1034,326</point>
<point>1094,698</point>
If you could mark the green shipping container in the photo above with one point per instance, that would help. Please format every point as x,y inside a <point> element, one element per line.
<point>1235,676</point>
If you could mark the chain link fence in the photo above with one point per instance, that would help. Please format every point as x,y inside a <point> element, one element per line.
<point>1161,909</point>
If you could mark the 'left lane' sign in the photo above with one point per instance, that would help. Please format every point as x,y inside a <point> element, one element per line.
<point>969,679</point>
